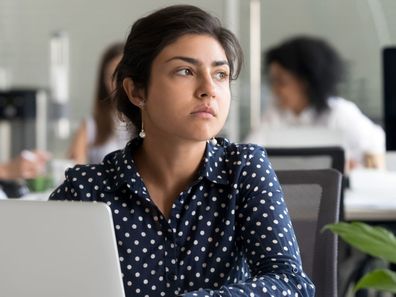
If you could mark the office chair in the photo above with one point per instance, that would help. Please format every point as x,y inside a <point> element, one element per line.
<point>307,158</point>
<point>313,200</point>
<point>300,158</point>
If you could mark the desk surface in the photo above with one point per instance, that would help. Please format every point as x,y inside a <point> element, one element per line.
<point>369,206</point>
<point>372,196</point>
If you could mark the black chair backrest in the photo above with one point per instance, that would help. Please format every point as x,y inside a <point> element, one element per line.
<point>313,201</point>
<point>307,158</point>
<point>299,158</point>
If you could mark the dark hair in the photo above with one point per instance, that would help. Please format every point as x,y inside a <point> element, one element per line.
<point>151,34</point>
<point>103,109</point>
<point>313,61</point>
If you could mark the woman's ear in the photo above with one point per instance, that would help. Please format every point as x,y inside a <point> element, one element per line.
<point>135,95</point>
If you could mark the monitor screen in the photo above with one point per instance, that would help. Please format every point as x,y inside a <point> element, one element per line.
<point>389,93</point>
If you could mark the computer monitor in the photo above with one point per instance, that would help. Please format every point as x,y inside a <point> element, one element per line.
<point>284,137</point>
<point>389,95</point>
<point>55,248</point>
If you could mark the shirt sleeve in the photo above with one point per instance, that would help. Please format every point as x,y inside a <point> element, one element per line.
<point>74,188</point>
<point>363,136</point>
<point>266,236</point>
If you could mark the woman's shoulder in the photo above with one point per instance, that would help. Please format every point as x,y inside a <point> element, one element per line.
<point>241,151</point>
<point>81,183</point>
<point>342,105</point>
<point>87,176</point>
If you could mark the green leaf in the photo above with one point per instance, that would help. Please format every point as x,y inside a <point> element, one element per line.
<point>380,280</point>
<point>375,241</point>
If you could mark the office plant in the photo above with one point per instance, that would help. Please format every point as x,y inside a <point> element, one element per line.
<point>375,241</point>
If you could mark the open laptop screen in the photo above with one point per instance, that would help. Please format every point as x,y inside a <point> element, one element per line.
<point>54,248</point>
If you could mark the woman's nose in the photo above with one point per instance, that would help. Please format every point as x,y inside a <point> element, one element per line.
<point>206,87</point>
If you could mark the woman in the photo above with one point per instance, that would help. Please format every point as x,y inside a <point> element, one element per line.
<point>194,215</point>
<point>303,74</point>
<point>102,132</point>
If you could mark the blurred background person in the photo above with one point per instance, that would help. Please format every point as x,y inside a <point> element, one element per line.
<point>102,132</point>
<point>28,165</point>
<point>303,73</point>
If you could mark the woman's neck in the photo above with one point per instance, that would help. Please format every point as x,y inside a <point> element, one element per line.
<point>169,162</point>
<point>302,105</point>
<point>168,168</point>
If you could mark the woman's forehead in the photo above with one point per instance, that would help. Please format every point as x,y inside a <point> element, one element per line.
<point>204,48</point>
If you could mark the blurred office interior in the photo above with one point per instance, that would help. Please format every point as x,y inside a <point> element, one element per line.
<point>358,29</point>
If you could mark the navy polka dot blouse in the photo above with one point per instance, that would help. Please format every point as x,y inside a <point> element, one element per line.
<point>229,233</point>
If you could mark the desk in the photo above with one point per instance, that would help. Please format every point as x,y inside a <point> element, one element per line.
<point>364,206</point>
<point>390,161</point>
<point>372,196</point>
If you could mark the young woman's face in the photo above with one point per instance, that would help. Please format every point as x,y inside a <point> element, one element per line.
<point>188,95</point>
<point>289,90</point>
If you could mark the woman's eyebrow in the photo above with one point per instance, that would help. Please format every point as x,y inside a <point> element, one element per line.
<point>197,62</point>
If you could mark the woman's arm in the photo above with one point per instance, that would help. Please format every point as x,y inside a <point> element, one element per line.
<point>364,139</point>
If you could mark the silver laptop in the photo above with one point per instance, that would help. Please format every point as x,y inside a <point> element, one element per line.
<point>54,248</point>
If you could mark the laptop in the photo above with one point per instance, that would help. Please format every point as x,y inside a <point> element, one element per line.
<point>58,248</point>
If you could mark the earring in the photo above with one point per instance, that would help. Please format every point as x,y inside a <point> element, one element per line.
<point>213,141</point>
<point>142,134</point>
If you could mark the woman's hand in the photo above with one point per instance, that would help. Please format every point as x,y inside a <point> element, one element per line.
<point>28,164</point>
<point>376,161</point>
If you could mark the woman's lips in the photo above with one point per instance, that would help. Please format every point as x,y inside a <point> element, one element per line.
<point>204,112</point>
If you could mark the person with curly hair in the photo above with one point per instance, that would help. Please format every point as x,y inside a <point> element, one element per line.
<point>304,73</point>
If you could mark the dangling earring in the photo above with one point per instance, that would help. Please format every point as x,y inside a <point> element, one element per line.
<point>213,141</point>
<point>142,134</point>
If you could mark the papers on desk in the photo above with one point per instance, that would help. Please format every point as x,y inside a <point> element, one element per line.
<point>373,179</point>
<point>370,187</point>
<point>390,161</point>
<point>372,195</point>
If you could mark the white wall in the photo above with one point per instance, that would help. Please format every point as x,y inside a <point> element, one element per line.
<point>26,26</point>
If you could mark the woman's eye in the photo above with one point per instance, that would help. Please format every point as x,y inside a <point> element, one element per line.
<point>221,75</point>
<point>184,72</point>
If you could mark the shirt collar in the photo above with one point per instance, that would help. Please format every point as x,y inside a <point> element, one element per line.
<point>215,160</point>
<point>122,170</point>
<point>305,117</point>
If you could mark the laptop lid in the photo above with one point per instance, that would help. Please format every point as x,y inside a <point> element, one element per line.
<point>55,248</point>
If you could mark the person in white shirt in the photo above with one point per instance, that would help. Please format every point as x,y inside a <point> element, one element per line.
<point>102,132</point>
<point>303,74</point>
